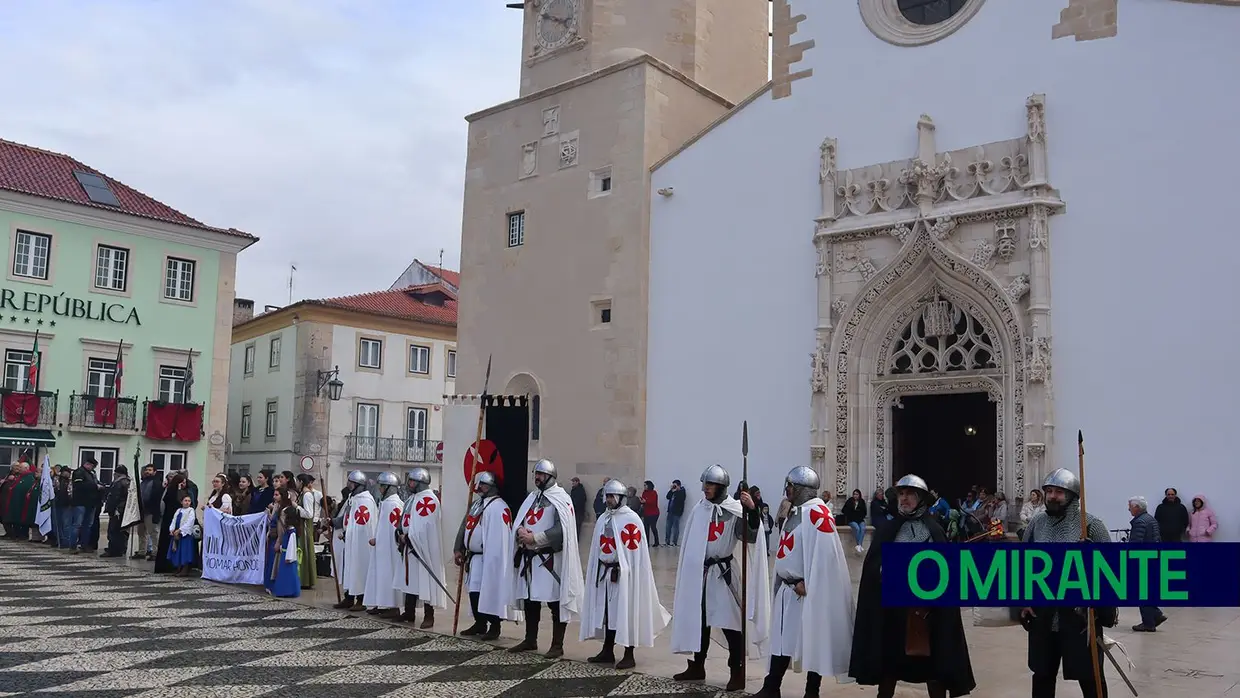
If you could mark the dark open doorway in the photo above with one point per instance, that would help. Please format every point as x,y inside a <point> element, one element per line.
<point>949,440</point>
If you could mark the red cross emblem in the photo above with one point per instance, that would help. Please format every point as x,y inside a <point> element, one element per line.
<point>507,516</point>
<point>606,545</point>
<point>394,517</point>
<point>534,516</point>
<point>406,522</point>
<point>785,545</point>
<point>820,517</point>
<point>631,536</point>
<point>425,507</point>
<point>361,516</point>
<point>471,522</point>
<point>716,530</point>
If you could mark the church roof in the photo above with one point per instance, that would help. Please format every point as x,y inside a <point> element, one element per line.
<point>49,175</point>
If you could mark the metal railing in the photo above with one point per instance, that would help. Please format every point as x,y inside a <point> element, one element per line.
<point>91,412</point>
<point>391,449</point>
<point>14,415</point>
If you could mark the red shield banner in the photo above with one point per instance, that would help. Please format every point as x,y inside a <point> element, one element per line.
<point>490,461</point>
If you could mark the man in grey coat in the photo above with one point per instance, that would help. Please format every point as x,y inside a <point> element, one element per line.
<point>1144,529</point>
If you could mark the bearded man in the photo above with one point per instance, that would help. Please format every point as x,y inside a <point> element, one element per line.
<point>419,537</point>
<point>914,645</point>
<point>1058,634</point>
<point>356,525</point>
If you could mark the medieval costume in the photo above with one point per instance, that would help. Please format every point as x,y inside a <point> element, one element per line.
<point>915,645</point>
<point>708,580</point>
<point>285,580</point>
<point>356,523</point>
<point>270,549</point>
<point>380,592</point>
<point>171,503</point>
<point>621,600</point>
<point>547,561</point>
<point>1058,634</point>
<point>421,572</point>
<point>309,510</point>
<point>812,611</point>
<point>19,514</point>
<point>483,549</point>
<point>182,543</point>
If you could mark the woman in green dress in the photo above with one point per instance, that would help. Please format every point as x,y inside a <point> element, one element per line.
<point>311,511</point>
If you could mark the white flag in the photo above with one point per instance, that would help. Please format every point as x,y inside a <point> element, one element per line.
<point>47,493</point>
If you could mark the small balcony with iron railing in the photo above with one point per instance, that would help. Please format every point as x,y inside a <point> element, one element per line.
<point>383,449</point>
<point>29,409</point>
<point>91,412</point>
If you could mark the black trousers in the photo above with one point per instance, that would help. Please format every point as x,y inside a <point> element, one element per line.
<point>1044,681</point>
<point>533,613</point>
<point>118,539</point>
<point>480,618</point>
<point>779,667</point>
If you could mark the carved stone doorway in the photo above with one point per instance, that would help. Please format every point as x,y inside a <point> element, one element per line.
<point>947,439</point>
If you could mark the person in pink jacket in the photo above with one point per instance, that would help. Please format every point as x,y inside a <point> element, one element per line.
<point>1202,522</point>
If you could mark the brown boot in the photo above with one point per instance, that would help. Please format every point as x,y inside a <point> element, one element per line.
<point>557,640</point>
<point>627,661</point>
<point>694,672</point>
<point>390,614</point>
<point>428,617</point>
<point>344,604</point>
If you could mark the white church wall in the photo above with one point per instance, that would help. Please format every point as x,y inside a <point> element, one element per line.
<point>1141,139</point>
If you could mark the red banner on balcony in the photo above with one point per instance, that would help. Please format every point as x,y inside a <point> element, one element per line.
<point>189,423</point>
<point>105,411</point>
<point>168,421</point>
<point>21,408</point>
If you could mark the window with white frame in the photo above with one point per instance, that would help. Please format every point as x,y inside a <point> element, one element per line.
<point>419,359</point>
<point>370,353</point>
<point>246,414</point>
<point>272,412</point>
<point>17,370</point>
<point>171,384</point>
<point>516,229</point>
<point>366,442</point>
<point>168,461</point>
<point>111,266</point>
<point>248,366</point>
<point>105,461</point>
<point>179,279</point>
<point>273,353</point>
<point>101,377</point>
<point>31,252</point>
<point>451,363</point>
<point>415,426</point>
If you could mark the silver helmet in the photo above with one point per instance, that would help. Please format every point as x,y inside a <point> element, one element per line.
<point>914,482</point>
<point>716,475</point>
<point>421,476</point>
<point>357,477</point>
<point>1064,480</point>
<point>485,479</point>
<point>387,480</point>
<point>618,489</point>
<point>804,483</point>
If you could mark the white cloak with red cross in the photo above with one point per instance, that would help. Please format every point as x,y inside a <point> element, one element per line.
<point>630,605</point>
<point>814,630</point>
<point>423,525</point>
<point>488,538</point>
<point>570,590</point>
<point>361,516</point>
<point>380,592</point>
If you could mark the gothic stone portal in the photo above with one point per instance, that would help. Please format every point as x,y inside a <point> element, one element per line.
<point>948,438</point>
<point>933,279</point>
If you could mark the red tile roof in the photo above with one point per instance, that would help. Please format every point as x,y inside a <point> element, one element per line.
<point>37,172</point>
<point>402,303</point>
<point>452,277</point>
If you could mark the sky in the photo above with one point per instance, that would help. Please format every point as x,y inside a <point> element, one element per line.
<point>331,129</point>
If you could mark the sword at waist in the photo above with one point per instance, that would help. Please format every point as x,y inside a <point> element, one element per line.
<point>725,573</point>
<point>607,569</point>
<point>789,582</point>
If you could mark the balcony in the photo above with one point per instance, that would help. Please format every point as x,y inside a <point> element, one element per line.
<point>93,412</point>
<point>380,449</point>
<point>172,421</point>
<point>35,410</point>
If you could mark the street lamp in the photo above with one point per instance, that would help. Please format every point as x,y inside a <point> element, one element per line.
<point>330,380</point>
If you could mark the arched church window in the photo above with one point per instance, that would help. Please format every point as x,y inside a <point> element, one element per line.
<point>928,12</point>
<point>942,338</point>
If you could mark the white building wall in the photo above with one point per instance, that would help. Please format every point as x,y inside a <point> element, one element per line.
<point>1141,140</point>
<point>255,389</point>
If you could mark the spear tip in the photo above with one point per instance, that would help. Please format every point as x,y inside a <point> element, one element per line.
<point>1080,437</point>
<point>745,438</point>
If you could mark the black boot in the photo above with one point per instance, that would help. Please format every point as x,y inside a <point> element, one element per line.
<point>608,655</point>
<point>557,639</point>
<point>696,671</point>
<point>771,686</point>
<point>359,603</point>
<point>813,683</point>
<point>736,681</point>
<point>411,608</point>
<point>345,603</point>
<point>428,616</point>
<point>480,624</point>
<point>626,662</point>
<point>492,633</point>
<point>530,642</point>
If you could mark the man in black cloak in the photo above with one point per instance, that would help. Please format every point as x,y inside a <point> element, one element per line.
<point>171,505</point>
<point>914,645</point>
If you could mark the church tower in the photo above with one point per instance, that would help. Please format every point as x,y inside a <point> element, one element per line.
<point>554,239</point>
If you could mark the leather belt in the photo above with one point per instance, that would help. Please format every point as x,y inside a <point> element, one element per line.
<point>725,567</point>
<point>605,570</point>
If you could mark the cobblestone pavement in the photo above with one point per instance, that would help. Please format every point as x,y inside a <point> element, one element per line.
<point>78,626</point>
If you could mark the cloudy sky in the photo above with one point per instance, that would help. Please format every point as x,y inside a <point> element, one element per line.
<point>331,129</point>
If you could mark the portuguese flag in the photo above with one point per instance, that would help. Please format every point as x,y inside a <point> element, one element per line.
<point>32,373</point>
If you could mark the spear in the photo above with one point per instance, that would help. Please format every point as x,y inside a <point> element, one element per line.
<point>1089,610</point>
<point>744,546</point>
<point>469,500</point>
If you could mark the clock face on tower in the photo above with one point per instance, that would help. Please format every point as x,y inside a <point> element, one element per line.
<point>557,23</point>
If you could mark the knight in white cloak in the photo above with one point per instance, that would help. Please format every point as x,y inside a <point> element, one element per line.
<point>708,580</point>
<point>812,610</point>
<point>547,561</point>
<point>420,576</point>
<point>356,526</point>
<point>483,550</point>
<point>622,602</point>
<point>381,595</point>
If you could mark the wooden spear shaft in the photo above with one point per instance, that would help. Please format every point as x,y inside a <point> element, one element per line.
<point>1089,610</point>
<point>469,486</point>
<point>744,549</point>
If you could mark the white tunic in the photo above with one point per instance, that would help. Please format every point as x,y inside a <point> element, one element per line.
<point>487,540</point>
<point>422,523</point>
<point>360,519</point>
<point>533,578</point>
<point>380,592</point>
<point>620,590</point>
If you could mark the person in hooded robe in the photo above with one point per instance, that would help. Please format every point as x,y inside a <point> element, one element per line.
<point>812,609</point>
<point>547,560</point>
<point>421,572</point>
<point>708,580</point>
<point>483,551</point>
<point>621,601</point>
<point>380,593</point>
<point>356,528</point>
<point>170,505</point>
<point>914,645</point>
<point>1058,634</point>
